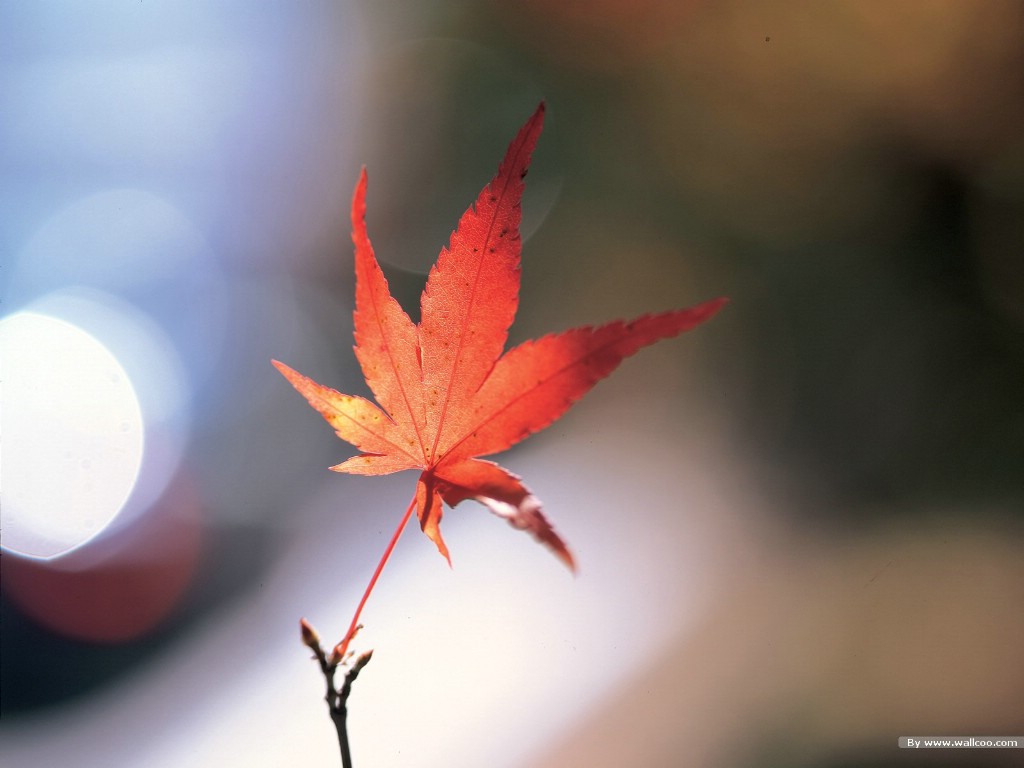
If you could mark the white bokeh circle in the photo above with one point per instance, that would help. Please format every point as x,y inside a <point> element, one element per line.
<point>72,435</point>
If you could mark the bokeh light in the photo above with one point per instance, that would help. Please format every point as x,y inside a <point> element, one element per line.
<point>119,587</point>
<point>72,432</point>
<point>158,377</point>
<point>136,247</point>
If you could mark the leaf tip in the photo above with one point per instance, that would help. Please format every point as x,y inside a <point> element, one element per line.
<point>565,556</point>
<point>536,121</point>
<point>558,548</point>
<point>711,308</point>
<point>287,371</point>
<point>359,198</point>
<point>435,536</point>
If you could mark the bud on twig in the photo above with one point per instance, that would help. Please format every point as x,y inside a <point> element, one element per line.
<point>361,662</point>
<point>309,635</point>
<point>336,656</point>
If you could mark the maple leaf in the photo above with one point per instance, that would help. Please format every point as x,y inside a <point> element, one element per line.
<point>446,394</point>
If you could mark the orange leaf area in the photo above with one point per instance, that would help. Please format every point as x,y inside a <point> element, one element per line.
<point>447,392</point>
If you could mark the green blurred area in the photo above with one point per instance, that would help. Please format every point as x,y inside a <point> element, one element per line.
<point>850,174</point>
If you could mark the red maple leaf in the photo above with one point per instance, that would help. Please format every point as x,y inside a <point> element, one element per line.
<point>446,393</point>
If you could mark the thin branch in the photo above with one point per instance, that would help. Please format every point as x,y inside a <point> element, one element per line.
<point>339,711</point>
<point>337,699</point>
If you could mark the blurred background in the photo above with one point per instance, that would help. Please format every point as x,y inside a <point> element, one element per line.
<point>799,527</point>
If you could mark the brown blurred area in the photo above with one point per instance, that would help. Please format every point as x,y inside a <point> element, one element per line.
<point>826,656</point>
<point>852,175</point>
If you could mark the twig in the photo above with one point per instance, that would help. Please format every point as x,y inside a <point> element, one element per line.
<point>337,699</point>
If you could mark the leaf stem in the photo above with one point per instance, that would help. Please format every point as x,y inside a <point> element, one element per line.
<point>337,698</point>
<point>342,648</point>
